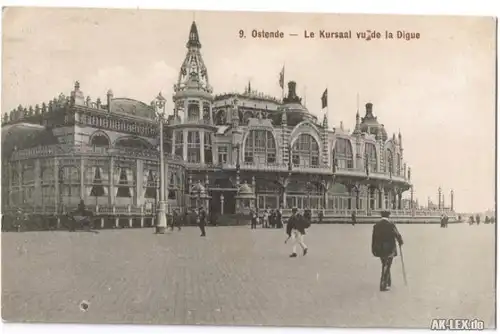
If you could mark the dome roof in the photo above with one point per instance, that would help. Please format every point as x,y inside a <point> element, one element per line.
<point>369,123</point>
<point>198,188</point>
<point>292,106</point>
<point>25,135</point>
<point>132,107</point>
<point>245,189</point>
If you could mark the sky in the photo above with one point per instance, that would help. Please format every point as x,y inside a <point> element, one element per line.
<point>438,90</point>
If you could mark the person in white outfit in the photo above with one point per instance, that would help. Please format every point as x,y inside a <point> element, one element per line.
<point>295,230</point>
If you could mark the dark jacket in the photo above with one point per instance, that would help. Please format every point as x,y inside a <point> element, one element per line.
<point>202,217</point>
<point>385,234</point>
<point>295,222</point>
<point>307,215</point>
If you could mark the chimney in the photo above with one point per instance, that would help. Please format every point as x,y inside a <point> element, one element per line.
<point>292,85</point>
<point>369,110</point>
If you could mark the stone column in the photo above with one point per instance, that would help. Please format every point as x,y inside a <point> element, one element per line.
<point>451,198</point>
<point>368,197</point>
<point>284,198</point>
<point>166,182</point>
<point>173,142</point>
<point>139,183</point>
<point>111,193</point>
<point>21,182</point>
<point>38,183</point>
<point>411,197</point>
<point>221,204</point>
<point>185,144</point>
<point>202,147</point>
<point>82,179</point>
<point>382,198</point>
<point>56,184</point>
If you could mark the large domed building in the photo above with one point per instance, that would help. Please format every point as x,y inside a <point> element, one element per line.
<point>227,151</point>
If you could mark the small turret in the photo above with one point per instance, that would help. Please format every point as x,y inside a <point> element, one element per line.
<point>77,97</point>
<point>357,128</point>
<point>109,96</point>
<point>235,117</point>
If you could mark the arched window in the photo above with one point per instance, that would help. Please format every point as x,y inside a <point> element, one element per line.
<point>389,161</point>
<point>193,111</point>
<point>371,155</point>
<point>69,183</point>
<point>193,153</point>
<point>305,151</point>
<point>96,179</point>
<point>206,112</point>
<point>260,147</point>
<point>151,183</point>
<point>207,143</point>
<point>343,153</point>
<point>126,182</point>
<point>179,143</point>
<point>99,139</point>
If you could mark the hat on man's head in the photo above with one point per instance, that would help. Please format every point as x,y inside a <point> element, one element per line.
<point>294,210</point>
<point>385,214</point>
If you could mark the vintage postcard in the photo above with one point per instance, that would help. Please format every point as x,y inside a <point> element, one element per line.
<point>244,168</point>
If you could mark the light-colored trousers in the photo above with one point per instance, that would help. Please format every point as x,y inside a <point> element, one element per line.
<point>297,239</point>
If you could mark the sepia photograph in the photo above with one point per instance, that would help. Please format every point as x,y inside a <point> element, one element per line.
<point>190,167</point>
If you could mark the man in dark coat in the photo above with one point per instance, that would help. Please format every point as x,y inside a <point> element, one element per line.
<point>176,219</point>
<point>295,229</point>
<point>384,237</point>
<point>202,221</point>
<point>253,217</point>
<point>353,218</point>
<point>279,218</point>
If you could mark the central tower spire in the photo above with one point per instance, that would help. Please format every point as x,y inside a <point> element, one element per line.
<point>194,39</point>
<point>193,73</point>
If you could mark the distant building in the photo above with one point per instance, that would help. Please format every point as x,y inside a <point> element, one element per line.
<point>229,151</point>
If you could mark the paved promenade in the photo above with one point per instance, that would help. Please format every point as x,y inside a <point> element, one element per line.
<point>238,276</point>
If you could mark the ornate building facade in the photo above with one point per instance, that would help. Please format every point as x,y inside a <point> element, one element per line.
<point>227,151</point>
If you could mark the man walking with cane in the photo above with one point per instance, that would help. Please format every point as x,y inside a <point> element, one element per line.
<point>384,237</point>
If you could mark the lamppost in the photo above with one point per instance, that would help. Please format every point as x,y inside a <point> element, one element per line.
<point>309,189</point>
<point>439,198</point>
<point>452,195</point>
<point>161,218</point>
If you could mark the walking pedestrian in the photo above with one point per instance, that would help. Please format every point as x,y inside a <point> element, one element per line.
<point>296,229</point>
<point>176,219</point>
<point>202,221</point>
<point>279,218</point>
<point>384,237</point>
<point>253,217</point>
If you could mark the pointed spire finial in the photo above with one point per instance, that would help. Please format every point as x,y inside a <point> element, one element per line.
<point>194,39</point>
